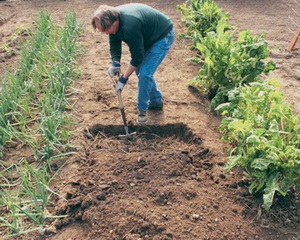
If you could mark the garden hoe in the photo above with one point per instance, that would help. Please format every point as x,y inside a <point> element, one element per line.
<point>127,135</point>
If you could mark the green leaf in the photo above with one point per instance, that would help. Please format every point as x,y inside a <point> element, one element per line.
<point>242,126</point>
<point>271,187</point>
<point>201,47</point>
<point>233,161</point>
<point>253,139</point>
<point>222,107</point>
<point>297,182</point>
<point>261,163</point>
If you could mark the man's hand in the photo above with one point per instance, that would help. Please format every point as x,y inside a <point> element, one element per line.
<point>114,69</point>
<point>121,83</point>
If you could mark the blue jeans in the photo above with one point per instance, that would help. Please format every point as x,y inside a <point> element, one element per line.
<point>147,89</point>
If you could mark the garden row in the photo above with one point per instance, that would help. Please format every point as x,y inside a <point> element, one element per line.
<point>262,129</point>
<point>33,117</point>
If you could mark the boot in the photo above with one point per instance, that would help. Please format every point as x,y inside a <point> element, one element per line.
<point>142,117</point>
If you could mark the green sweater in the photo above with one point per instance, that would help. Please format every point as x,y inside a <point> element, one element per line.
<point>140,26</point>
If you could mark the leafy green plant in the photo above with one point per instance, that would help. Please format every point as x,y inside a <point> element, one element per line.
<point>228,63</point>
<point>263,132</point>
<point>201,17</point>
<point>265,137</point>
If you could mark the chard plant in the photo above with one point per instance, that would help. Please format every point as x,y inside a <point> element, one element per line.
<point>228,63</point>
<point>201,17</point>
<point>261,127</point>
<point>265,137</point>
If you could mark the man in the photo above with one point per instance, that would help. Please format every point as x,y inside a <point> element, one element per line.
<point>149,35</point>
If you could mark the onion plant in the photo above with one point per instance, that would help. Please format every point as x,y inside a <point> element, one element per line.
<point>32,111</point>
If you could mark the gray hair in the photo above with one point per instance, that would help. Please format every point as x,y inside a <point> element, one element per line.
<point>106,15</point>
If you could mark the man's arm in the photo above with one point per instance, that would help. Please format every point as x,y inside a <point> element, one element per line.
<point>115,48</point>
<point>129,70</point>
<point>136,47</point>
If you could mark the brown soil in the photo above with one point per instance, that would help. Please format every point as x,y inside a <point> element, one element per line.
<point>169,181</point>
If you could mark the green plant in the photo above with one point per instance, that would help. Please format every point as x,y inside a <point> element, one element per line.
<point>32,111</point>
<point>264,134</point>
<point>201,17</point>
<point>228,63</point>
<point>14,38</point>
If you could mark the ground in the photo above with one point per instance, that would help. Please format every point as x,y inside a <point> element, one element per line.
<point>169,181</point>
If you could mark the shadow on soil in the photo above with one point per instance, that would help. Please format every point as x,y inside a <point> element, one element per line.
<point>179,131</point>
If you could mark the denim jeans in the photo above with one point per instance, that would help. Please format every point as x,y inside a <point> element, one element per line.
<point>147,88</point>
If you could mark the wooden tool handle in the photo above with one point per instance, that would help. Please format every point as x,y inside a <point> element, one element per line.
<point>122,108</point>
<point>294,40</point>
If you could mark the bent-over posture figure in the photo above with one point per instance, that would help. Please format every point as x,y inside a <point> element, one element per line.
<point>149,35</point>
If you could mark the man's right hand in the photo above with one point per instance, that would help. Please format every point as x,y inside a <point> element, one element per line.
<point>114,69</point>
<point>121,83</point>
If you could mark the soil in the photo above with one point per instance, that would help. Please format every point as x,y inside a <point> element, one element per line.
<point>168,181</point>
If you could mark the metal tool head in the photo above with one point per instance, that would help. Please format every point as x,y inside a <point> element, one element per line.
<point>129,136</point>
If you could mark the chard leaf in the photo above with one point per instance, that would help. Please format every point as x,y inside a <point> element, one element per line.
<point>297,182</point>
<point>273,126</point>
<point>261,163</point>
<point>253,186</point>
<point>201,47</point>
<point>222,107</point>
<point>240,125</point>
<point>271,187</point>
<point>253,139</point>
<point>233,161</point>
<point>297,176</point>
<point>259,180</point>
